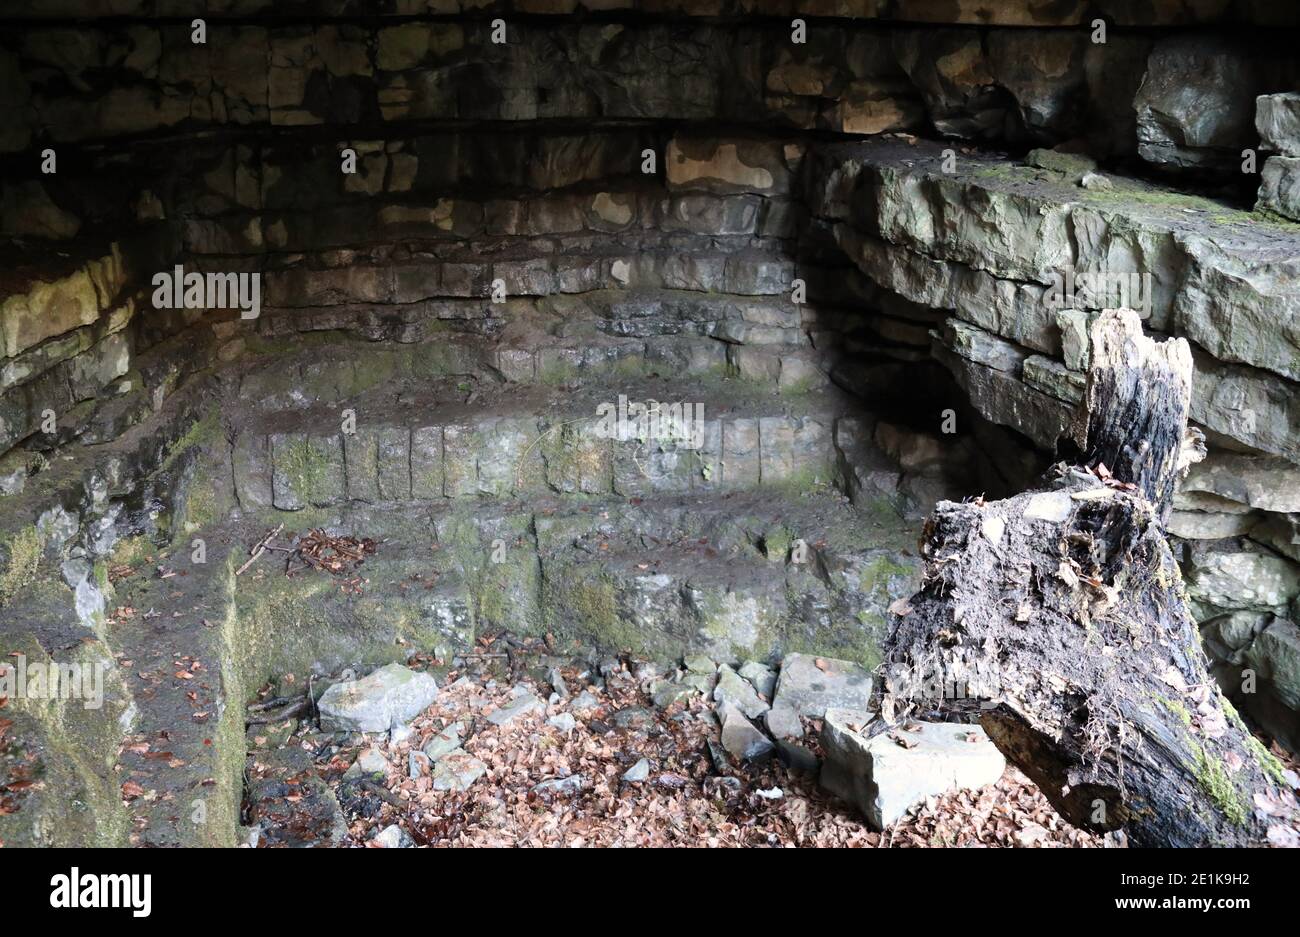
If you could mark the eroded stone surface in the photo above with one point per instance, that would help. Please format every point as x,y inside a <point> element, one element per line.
<point>887,775</point>
<point>809,685</point>
<point>390,695</point>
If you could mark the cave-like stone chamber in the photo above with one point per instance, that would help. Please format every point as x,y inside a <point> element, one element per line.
<point>848,263</point>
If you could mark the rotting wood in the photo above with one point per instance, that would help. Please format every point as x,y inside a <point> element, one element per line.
<point>1059,620</point>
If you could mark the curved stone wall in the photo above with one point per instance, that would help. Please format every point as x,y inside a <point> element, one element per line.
<point>844,248</point>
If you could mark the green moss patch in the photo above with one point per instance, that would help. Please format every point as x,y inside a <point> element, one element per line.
<point>23,550</point>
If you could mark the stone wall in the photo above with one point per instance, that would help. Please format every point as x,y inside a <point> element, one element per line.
<point>923,168</point>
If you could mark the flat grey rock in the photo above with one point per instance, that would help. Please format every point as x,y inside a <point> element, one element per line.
<point>808,690</point>
<point>735,690</point>
<point>633,718</point>
<point>783,722</point>
<point>521,705</point>
<point>457,771</point>
<point>392,695</point>
<point>885,777</point>
<point>445,742</point>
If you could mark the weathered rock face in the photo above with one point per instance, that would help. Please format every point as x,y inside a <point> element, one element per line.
<point>1277,119</point>
<point>476,260</point>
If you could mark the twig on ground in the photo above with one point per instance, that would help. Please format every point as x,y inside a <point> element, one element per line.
<point>258,549</point>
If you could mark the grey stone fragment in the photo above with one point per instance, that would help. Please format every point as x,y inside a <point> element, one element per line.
<point>372,761</point>
<point>1210,525</point>
<point>761,677</point>
<point>562,721</point>
<point>1277,120</point>
<point>1052,506</point>
<point>984,348</point>
<point>399,733</point>
<point>884,779</point>
<point>390,837</point>
<point>808,690</point>
<point>740,738</point>
<point>584,702</point>
<point>633,718</point>
<point>1075,343</point>
<point>1075,165</point>
<point>1275,655</point>
<point>638,772</point>
<point>1052,377</point>
<point>557,683</point>
<point>701,682</point>
<point>735,690</point>
<point>456,771</point>
<point>445,742</point>
<point>560,787</point>
<point>521,705</point>
<point>392,695</point>
<point>666,694</point>
<point>1267,483</point>
<point>783,721</point>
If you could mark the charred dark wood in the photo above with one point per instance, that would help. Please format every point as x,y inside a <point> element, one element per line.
<point>1137,402</point>
<point>1058,619</point>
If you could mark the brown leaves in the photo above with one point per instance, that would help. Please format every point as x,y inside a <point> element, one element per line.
<point>334,555</point>
<point>1110,480</point>
<point>684,802</point>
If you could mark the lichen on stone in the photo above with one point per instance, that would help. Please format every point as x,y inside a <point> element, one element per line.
<point>24,550</point>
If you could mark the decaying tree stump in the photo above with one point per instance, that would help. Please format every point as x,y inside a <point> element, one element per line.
<point>1059,616</point>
